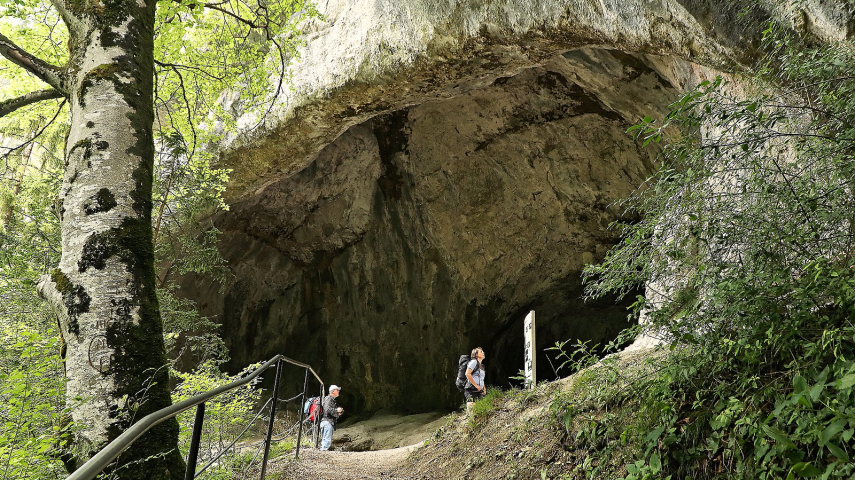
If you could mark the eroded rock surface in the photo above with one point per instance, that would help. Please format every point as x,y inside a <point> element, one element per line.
<point>369,57</point>
<point>427,230</point>
<point>440,167</point>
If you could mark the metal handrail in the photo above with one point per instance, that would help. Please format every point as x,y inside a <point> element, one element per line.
<point>301,364</point>
<point>108,454</point>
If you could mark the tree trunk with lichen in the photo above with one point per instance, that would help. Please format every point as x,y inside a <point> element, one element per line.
<point>104,286</point>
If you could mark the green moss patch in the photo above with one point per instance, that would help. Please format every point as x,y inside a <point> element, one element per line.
<point>102,201</point>
<point>74,298</point>
<point>130,241</point>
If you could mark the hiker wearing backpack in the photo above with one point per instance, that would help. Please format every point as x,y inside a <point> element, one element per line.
<point>331,412</point>
<point>475,388</point>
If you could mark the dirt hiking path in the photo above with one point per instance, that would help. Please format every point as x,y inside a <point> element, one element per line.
<point>371,465</point>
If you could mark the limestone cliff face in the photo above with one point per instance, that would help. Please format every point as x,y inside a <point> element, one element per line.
<point>368,57</point>
<point>442,167</point>
<point>422,232</point>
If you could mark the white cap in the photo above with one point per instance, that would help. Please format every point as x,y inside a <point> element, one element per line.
<point>334,387</point>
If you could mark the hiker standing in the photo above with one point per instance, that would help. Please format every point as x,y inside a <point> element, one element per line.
<point>475,387</point>
<point>331,413</point>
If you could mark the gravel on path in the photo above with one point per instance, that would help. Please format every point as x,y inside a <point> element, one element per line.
<point>370,465</point>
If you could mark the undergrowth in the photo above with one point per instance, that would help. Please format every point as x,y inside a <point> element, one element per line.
<point>483,408</point>
<point>746,247</point>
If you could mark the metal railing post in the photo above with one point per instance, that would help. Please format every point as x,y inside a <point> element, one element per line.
<point>302,412</point>
<point>272,419</point>
<point>195,440</point>
<point>317,422</point>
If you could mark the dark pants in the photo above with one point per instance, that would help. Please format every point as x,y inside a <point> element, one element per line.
<point>472,395</point>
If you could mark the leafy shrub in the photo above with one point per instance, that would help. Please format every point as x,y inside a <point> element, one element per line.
<point>747,239</point>
<point>33,413</point>
<point>32,404</point>
<point>226,416</point>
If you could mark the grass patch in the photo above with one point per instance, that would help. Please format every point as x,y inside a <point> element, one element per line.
<point>482,408</point>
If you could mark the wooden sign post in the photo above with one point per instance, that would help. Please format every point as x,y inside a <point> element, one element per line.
<point>530,358</point>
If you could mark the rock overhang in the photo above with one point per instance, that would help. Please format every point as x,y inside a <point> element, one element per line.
<point>365,58</point>
<point>422,190</point>
<point>369,57</point>
<point>437,225</point>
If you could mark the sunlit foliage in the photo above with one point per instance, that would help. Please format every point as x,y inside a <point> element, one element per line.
<point>746,245</point>
<point>215,62</point>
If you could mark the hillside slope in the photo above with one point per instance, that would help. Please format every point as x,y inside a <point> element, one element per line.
<point>520,434</point>
<point>512,434</point>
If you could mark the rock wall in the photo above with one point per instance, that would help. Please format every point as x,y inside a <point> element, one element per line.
<point>369,57</point>
<point>439,167</point>
<point>425,231</point>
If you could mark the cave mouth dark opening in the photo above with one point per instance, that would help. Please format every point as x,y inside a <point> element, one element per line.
<point>561,316</point>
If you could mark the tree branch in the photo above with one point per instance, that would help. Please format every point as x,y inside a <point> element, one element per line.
<point>193,68</point>
<point>11,150</point>
<point>72,22</point>
<point>9,106</point>
<point>237,17</point>
<point>50,74</point>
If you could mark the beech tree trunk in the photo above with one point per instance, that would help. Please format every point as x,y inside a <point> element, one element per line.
<point>104,287</point>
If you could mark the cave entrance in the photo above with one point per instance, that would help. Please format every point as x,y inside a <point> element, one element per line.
<point>562,316</point>
<point>426,231</point>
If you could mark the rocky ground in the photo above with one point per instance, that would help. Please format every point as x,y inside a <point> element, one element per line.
<point>514,434</point>
<point>371,465</point>
<point>520,434</point>
<point>373,448</point>
<point>387,430</point>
